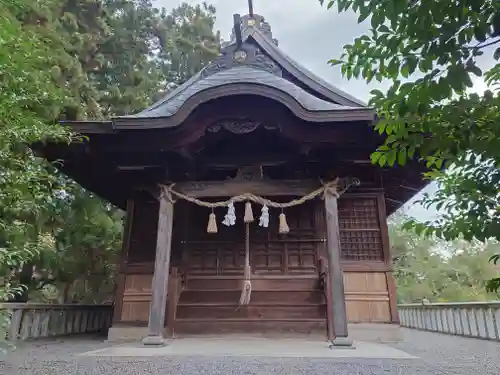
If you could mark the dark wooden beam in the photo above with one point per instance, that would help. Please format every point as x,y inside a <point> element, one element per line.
<point>394,201</point>
<point>259,187</point>
<point>340,135</point>
<point>410,188</point>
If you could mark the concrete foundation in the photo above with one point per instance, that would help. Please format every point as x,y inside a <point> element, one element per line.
<point>375,332</point>
<point>250,347</point>
<point>368,332</point>
<point>124,333</point>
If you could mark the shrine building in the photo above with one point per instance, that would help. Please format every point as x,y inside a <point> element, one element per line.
<point>251,203</point>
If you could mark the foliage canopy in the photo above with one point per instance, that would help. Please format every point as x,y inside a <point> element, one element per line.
<point>431,51</point>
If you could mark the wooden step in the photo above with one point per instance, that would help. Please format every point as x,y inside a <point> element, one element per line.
<point>266,327</point>
<point>260,296</point>
<point>296,282</point>
<point>252,311</point>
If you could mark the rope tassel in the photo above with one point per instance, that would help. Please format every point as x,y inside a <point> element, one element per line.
<point>246,293</point>
<point>246,290</point>
<point>284,228</point>
<point>212,223</point>
<point>248,213</point>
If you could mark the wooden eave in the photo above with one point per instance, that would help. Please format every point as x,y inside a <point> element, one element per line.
<point>110,127</point>
<point>245,88</point>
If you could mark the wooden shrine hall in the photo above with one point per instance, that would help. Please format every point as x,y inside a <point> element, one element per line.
<point>251,203</point>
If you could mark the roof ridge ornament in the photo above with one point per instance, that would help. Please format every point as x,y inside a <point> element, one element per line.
<point>244,25</point>
<point>237,30</point>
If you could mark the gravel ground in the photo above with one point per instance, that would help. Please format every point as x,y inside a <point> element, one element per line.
<point>438,354</point>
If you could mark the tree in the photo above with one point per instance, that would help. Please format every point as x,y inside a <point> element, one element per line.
<point>62,59</point>
<point>440,271</point>
<point>430,51</point>
<point>188,40</point>
<point>107,57</point>
<point>139,52</point>
<point>27,95</point>
<point>87,238</point>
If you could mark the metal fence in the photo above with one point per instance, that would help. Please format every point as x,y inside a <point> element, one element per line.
<point>33,321</point>
<point>470,319</point>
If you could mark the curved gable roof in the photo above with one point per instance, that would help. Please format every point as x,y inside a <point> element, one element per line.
<point>258,72</point>
<point>240,81</point>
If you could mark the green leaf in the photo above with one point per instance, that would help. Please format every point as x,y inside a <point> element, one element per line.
<point>402,157</point>
<point>391,157</point>
<point>496,23</point>
<point>382,160</point>
<point>476,70</point>
<point>411,152</point>
<point>496,55</point>
<point>364,14</point>
<point>377,19</point>
<point>393,67</point>
<point>411,64</point>
<point>356,71</point>
<point>493,285</point>
<point>384,29</point>
<point>377,93</point>
<point>334,62</point>
<point>374,157</point>
<point>480,33</point>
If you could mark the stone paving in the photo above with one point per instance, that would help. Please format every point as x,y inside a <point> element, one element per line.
<point>421,353</point>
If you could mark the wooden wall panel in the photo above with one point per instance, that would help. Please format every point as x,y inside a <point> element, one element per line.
<point>367,297</point>
<point>143,233</point>
<point>136,298</point>
<point>122,265</point>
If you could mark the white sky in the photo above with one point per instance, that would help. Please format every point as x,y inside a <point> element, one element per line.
<point>312,35</point>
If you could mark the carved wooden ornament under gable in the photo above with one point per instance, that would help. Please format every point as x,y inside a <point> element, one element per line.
<point>248,54</point>
<point>239,126</point>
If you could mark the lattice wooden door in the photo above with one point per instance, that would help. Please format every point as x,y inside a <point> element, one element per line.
<point>223,252</point>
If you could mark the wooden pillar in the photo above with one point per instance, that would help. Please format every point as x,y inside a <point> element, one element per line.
<point>336,275</point>
<point>156,325</point>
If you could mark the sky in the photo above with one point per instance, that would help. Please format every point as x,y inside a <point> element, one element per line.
<point>312,35</point>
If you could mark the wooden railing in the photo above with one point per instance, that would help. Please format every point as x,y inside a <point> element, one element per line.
<point>325,285</point>
<point>470,319</point>
<point>176,284</point>
<point>35,321</point>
